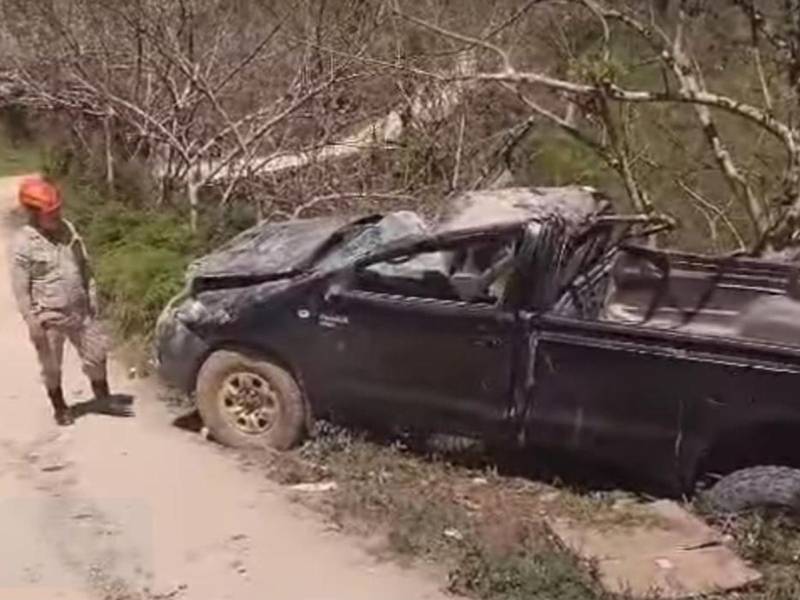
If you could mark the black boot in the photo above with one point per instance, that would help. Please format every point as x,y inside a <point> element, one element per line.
<point>61,411</point>
<point>101,391</point>
<point>108,403</point>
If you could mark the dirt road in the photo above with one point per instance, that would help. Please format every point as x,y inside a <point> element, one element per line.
<point>115,509</point>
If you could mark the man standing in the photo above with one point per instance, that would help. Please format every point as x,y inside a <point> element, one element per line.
<point>55,293</point>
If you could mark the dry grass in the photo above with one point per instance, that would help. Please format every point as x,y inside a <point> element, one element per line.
<point>772,542</point>
<point>488,530</point>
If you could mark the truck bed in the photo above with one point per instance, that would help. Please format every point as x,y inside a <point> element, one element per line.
<point>719,296</point>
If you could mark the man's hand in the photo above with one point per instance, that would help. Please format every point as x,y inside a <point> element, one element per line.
<point>35,328</point>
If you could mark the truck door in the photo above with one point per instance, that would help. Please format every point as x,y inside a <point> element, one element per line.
<point>606,393</point>
<point>598,391</point>
<point>402,348</point>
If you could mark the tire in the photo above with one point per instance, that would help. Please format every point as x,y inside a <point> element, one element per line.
<point>755,488</point>
<point>246,402</point>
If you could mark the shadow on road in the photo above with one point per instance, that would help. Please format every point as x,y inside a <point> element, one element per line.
<point>190,421</point>
<point>119,405</point>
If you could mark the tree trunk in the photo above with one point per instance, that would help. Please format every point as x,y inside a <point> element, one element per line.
<point>193,192</point>
<point>162,191</point>
<point>109,153</point>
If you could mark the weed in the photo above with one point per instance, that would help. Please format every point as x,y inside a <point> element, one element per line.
<point>531,574</point>
<point>139,258</point>
<point>773,539</point>
<point>489,532</point>
<point>771,542</point>
<point>17,156</point>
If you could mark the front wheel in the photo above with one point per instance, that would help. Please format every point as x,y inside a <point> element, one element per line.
<point>247,402</point>
<point>755,488</point>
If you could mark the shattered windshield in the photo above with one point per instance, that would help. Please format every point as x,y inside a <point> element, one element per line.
<point>369,238</point>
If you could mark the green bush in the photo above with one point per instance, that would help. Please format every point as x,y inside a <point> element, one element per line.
<point>139,250</point>
<point>139,255</point>
<point>137,281</point>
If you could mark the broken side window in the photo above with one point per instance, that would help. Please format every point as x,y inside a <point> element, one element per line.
<point>473,273</point>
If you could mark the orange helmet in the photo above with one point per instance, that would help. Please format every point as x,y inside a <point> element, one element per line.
<point>40,195</point>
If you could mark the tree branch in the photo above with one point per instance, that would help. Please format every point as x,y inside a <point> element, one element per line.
<point>472,41</point>
<point>721,214</point>
<point>684,70</point>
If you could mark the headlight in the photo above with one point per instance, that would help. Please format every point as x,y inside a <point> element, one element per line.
<point>194,311</point>
<point>169,309</point>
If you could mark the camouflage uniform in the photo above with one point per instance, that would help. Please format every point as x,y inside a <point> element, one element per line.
<point>53,286</point>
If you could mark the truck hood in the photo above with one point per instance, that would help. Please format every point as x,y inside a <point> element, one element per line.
<point>273,250</point>
<point>268,250</point>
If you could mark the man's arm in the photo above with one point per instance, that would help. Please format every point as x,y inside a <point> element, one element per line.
<point>21,283</point>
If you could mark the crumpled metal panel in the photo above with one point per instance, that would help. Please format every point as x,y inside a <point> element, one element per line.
<point>276,248</point>
<point>393,227</point>
<point>268,249</point>
<point>219,307</point>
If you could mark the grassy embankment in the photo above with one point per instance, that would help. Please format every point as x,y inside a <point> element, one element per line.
<point>487,530</point>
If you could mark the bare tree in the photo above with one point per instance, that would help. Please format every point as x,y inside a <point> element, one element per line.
<point>596,83</point>
<point>691,106</point>
<point>201,91</point>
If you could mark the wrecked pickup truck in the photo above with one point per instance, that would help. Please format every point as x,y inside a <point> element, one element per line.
<point>524,317</point>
